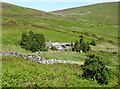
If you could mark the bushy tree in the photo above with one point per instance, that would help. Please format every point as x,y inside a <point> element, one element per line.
<point>81,39</point>
<point>81,45</point>
<point>29,42</point>
<point>33,42</point>
<point>34,46</point>
<point>31,34</point>
<point>76,46</point>
<point>95,69</point>
<point>23,40</point>
<point>41,40</point>
<point>86,47</point>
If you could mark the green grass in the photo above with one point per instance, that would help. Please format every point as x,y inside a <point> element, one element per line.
<point>61,28</point>
<point>67,55</point>
<point>7,48</point>
<point>19,72</point>
<point>102,12</point>
<point>108,58</point>
<point>13,36</point>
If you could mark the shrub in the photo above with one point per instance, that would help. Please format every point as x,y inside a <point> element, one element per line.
<point>23,40</point>
<point>81,45</point>
<point>95,69</point>
<point>76,46</point>
<point>33,42</point>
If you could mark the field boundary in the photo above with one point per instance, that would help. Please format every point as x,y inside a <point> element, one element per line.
<point>38,59</point>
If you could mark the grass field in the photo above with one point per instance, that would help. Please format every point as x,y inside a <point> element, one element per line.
<point>98,22</point>
<point>108,58</point>
<point>56,27</point>
<point>23,73</point>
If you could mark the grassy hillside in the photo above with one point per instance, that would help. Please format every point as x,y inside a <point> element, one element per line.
<point>62,26</point>
<point>97,22</point>
<point>104,13</point>
<point>19,72</point>
<point>93,22</point>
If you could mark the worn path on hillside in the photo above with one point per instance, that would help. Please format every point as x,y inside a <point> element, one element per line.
<point>38,59</point>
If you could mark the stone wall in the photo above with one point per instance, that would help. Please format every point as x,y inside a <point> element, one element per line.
<point>38,59</point>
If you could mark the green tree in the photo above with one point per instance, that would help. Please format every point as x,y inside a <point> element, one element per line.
<point>95,69</point>
<point>41,40</point>
<point>29,42</point>
<point>23,40</point>
<point>31,34</point>
<point>33,42</point>
<point>86,47</point>
<point>34,46</point>
<point>82,45</point>
<point>81,39</point>
<point>77,46</point>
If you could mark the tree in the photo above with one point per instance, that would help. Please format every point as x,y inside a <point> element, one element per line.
<point>81,39</point>
<point>23,40</point>
<point>76,46</point>
<point>86,47</point>
<point>33,42</point>
<point>29,42</point>
<point>31,34</point>
<point>93,42</point>
<point>95,69</point>
<point>81,45</point>
<point>41,40</point>
<point>34,46</point>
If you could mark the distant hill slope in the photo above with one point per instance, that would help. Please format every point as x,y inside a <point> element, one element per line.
<point>14,9</point>
<point>97,22</point>
<point>102,12</point>
<point>20,14</point>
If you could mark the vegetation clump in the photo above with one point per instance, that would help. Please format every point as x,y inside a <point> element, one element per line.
<point>81,46</point>
<point>95,69</point>
<point>33,42</point>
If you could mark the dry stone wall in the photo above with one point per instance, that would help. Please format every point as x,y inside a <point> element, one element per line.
<point>38,59</point>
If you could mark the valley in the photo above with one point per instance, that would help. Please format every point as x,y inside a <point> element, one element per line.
<point>97,22</point>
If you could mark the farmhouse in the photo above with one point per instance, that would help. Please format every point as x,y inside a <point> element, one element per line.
<point>66,45</point>
<point>58,45</point>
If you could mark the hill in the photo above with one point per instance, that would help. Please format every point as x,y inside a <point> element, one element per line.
<point>98,22</point>
<point>62,26</point>
<point>93,22</point>
<point>18,72</point>
<point>105,13</point>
